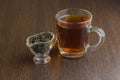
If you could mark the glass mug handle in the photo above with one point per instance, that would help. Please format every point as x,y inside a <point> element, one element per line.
<point>101,35</point>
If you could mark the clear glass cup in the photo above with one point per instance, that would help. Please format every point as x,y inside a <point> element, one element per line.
<point>72,30</point>
<point>40,48</point>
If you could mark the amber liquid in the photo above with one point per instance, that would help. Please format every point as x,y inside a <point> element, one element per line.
<point>72,36</point>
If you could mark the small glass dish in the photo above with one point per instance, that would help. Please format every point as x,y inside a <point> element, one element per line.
<point>40,45</point>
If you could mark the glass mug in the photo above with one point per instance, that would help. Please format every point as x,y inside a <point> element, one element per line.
<point>72,30</point>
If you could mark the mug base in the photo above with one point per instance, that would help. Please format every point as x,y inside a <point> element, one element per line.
<point>72,54</point>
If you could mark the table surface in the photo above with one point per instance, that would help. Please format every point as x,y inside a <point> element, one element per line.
<point>21,18</point>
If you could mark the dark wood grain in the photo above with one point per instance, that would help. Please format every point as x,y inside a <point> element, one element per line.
<point>21,18</point>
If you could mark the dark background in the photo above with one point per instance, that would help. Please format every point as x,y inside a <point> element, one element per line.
<point>21,18</point>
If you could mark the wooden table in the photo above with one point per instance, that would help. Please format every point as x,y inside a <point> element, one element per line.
<point>21,18</point>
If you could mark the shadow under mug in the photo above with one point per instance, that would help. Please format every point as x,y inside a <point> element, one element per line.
<point>72,30</point>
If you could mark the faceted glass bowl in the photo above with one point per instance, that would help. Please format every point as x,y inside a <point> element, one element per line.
<point>40,45</point>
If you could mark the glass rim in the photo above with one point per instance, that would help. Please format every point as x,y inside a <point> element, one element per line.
<point>27,40</point>
<point>58,18</point>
